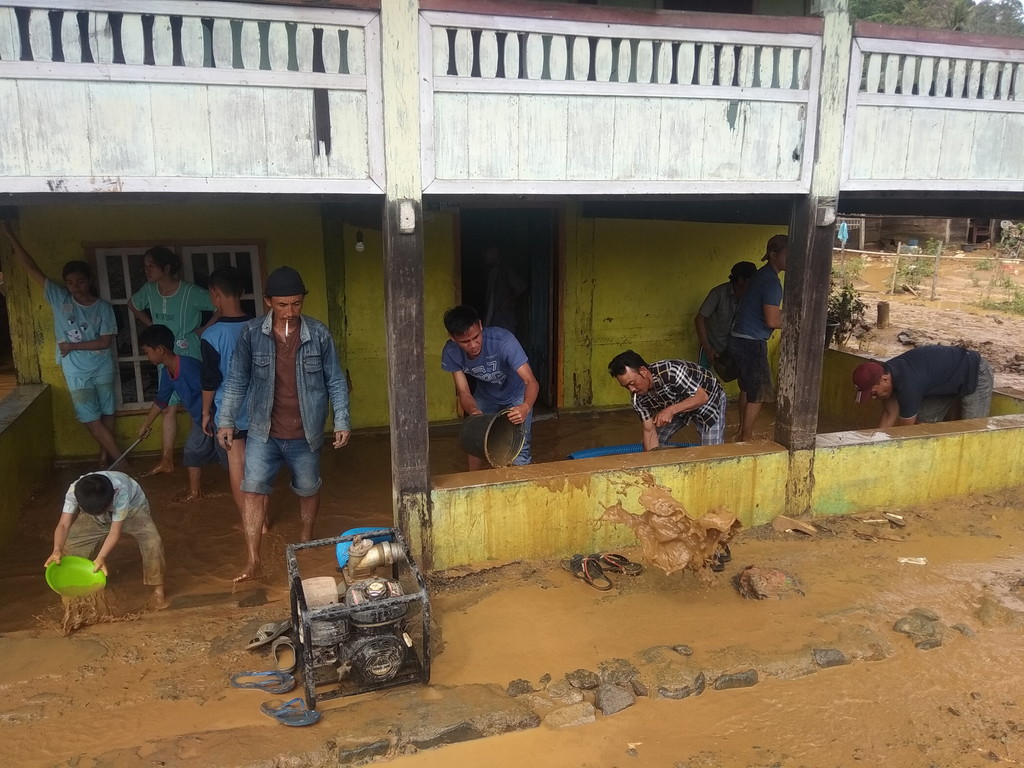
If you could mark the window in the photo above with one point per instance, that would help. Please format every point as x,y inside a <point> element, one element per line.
<point>120,275</point>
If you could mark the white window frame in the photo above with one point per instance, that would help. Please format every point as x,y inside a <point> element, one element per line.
<point>103,254</point>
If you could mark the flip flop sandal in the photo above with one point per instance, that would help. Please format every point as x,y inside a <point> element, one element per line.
<point>272,681</point>
<point>589,570</point>
<point>268,633</point>
<point>283,651</point>
<point>616,563</point>
<point>293,712</point>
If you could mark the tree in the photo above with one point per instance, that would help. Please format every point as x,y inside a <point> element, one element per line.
<point>989,17</point>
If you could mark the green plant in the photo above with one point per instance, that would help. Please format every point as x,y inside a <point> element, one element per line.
<point>985,265</point>
<point>1013,305</point>
<point>912,270</point>
<point>975,280</point>
<point>1004,281</point>
<point>845,309</point>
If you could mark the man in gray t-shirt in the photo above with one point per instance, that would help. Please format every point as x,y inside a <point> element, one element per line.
<point>713,320</point>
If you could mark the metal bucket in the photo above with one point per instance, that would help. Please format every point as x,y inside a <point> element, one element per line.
<point>492,437</point>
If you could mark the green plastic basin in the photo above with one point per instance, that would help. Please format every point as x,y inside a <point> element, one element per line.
<point>74,577</point>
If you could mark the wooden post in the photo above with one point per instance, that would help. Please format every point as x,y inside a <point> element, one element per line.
<point>403,276</point>
<point>896,268</point>
<point>935,269</point>
<point>883,315</point>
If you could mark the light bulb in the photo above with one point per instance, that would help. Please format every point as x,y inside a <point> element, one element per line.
<point>360,247</point>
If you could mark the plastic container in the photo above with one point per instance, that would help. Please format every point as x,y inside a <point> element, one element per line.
<point>614,450</point>
<point>74,577</point>
<point>320,591</point>
<point>492,437</point>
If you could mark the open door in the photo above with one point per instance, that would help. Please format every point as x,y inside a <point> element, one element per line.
<point>507,257</point>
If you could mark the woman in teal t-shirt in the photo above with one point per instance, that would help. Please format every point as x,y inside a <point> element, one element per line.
<point>179,305</point>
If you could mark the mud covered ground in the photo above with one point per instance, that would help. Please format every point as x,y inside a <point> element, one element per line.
<point>152,688</point>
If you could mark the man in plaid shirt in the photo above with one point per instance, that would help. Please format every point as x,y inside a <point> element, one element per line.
<point>668,395</point>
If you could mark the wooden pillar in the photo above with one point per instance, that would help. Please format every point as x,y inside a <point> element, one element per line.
<point>809,265</point>
<point>403,275</point>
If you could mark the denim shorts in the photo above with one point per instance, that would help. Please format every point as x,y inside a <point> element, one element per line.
<point>755,376</point>
<point>263,460</point>
<point>201,449</point>
<point>94,400</point>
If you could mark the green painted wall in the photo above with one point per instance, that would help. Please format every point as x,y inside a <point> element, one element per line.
<point>637,285</point>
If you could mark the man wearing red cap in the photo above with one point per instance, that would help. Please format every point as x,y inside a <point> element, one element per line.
<point>923,384</point>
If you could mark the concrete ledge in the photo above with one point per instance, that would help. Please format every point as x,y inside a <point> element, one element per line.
<point>904,466</point>
<point>551,510</point>
<point>26,449</point>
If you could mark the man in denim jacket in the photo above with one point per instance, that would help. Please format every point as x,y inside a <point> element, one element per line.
<point>287,406</point>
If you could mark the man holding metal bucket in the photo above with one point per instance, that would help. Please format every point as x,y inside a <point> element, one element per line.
<point>504,379</point>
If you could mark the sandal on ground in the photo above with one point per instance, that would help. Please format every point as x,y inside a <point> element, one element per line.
<point>588,569</point>
<point>268,633</point>
<point>293,712</point>
<point>616,563</point>
<point>271,681</point>
<point>283,651</point>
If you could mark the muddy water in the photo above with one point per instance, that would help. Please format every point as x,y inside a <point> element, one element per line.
<point>162,677</point>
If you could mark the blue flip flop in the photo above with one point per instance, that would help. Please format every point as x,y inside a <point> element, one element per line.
<point>272,681</point>
<point>293,712</point>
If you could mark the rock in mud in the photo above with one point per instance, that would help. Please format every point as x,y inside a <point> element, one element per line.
<point>613,698</point>
<point>616,671</point>
<point>737,680</point>
<point>253,599</point>
<point>927,643</point>
<point>583,678</point>
<point>964,630</point>
<point>683,650</point>
<point>917,626</point>
<point>829,657</point>
<point>356,754</point>
<point>544,679</point>
<point>992,613</point>
<point>682,692</point>
<point>518,687</point>
<point>756,583</point>
<point>452,735</point>
<point>574,714</point>
<point>638,687</point>
<point>925,613</point>
<point>560,692</point>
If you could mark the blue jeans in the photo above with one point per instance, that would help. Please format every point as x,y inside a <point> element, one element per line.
<point>263,460</point>
<point>487,405</point>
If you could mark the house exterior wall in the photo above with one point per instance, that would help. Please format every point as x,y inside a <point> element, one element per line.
<point>26,450</point>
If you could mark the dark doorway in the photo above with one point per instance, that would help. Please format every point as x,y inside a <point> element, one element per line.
<point>524,239</point>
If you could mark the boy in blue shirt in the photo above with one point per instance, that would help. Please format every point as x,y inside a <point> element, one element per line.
<point>85,328</point>
<point>181,375</point>
<point>504,378</point>
<point>218,346</point>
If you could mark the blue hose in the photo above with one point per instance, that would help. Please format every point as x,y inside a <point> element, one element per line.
<point>611,450</point>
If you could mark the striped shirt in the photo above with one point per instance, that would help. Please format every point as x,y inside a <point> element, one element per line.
<point>673,382</point>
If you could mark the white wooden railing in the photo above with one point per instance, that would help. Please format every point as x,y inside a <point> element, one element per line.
<point>934,116</point>
<point>184,95</point>
<point>182,41</point>
<point>677,109</point>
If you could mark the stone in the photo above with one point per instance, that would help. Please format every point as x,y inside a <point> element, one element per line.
<point>354,754</point>
<point>616,671</point>
<point>916,626</point>
<point>583,678</point>
<point>545,679</point>
<point>682,692</point>
<point>453,735</point>
<point>574,714</point>
<point>700,682</point>
<point>743,679</point>
<point>561,692</point>
<point>613,698</point>
<point>925,613</point>
<point>964,630</point>
<point>829,657</point>
<point>518,687</point>
<point>683,650</point>
<point>253,599</point>
<point>992,613</point>
<point>927,643</point>
<point>638,687</point>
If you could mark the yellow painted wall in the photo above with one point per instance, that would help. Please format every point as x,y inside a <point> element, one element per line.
<point>637,284</point>
<point>918,464</point>
<point>551,510</point>
<point>367,353</point>
<point>55,235</point>
<point>26,452</point>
